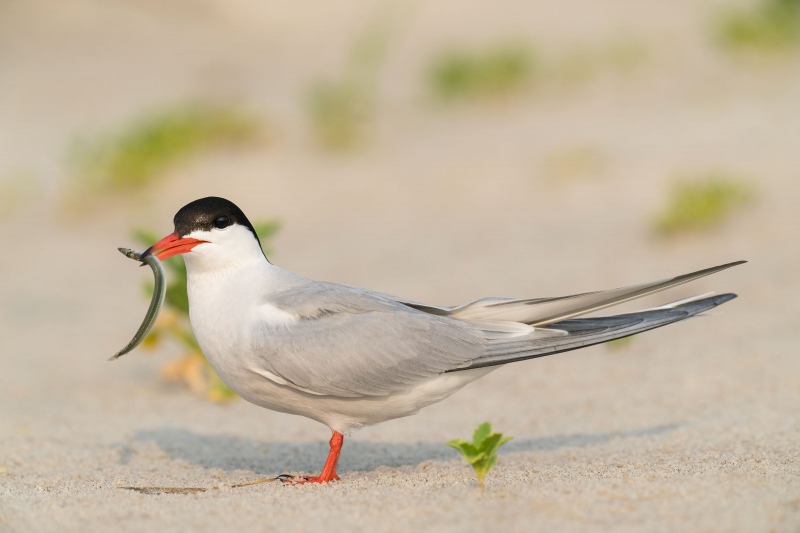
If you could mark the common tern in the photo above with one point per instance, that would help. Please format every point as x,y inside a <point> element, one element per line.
<point>349,357</point>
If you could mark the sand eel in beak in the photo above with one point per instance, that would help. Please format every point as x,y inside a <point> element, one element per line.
<point>350,357</point>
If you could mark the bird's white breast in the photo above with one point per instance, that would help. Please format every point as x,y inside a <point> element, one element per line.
<point>228,308</point>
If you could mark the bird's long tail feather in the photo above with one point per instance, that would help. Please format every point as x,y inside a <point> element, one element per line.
<point>584,332</point>
<point>544,311</point>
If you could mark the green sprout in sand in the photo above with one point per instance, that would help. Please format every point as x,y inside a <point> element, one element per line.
<point>481,453</point>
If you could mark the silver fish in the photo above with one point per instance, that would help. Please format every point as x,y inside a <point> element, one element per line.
<point>159,291</point>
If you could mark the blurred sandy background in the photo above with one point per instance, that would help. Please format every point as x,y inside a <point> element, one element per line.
<point>550,186</point>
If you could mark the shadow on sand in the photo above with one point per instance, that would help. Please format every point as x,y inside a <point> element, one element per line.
<point>269,458</point>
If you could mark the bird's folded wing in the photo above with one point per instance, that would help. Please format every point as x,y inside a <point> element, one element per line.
<point>348,342</point>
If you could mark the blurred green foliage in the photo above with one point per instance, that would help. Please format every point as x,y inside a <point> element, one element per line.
<point>340,110</point>
<point>580,64</point>
<point>502,71</point>
<point>173,323</point>
<point>701,203</point>
<point>620,344</point>
<point>767,26</point>
<point>481,453</point>
<point>138,155</point>
<point>339,113</point>
<point>494,73</point>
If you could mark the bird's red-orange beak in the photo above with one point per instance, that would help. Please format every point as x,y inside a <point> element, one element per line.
<point>171,245</point>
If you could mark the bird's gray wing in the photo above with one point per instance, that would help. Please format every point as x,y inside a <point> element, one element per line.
<point>348,342</point>
<point>583,332</point>
<point>544,311</point>
<point>351,342</point>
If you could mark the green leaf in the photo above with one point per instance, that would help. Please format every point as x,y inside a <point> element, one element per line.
<point>489,444</point>
<point>492,462</point>
<point>493,442</point>
<point>481,453</point>
<point>466,449</point>
<point>481,433</point>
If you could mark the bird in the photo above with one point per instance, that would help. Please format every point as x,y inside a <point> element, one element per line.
<point>350,357</point>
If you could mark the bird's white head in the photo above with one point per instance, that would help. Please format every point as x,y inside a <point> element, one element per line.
<point>214,234</point>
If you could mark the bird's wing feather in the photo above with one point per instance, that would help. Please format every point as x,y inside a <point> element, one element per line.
<point>543,311</point>
<point>584,332</point>
<point>348,342</point>
<point>351,342</point>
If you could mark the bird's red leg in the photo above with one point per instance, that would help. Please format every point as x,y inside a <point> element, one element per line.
<point>329,470</point>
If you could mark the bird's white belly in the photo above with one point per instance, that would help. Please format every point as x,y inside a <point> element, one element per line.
<point>340,414</point>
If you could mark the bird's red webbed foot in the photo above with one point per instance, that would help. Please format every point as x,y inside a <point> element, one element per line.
<point>328,471</point>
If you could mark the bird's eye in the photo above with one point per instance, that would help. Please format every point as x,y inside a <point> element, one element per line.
<point>222,222</point>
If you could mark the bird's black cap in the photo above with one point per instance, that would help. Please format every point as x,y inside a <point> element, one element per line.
<point>203,214</point>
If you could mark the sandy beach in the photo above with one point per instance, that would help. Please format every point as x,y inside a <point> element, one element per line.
<point>692,427</point>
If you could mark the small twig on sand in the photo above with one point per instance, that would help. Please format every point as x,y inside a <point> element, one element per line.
<point>165,490</point>
<point>256,482</point>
